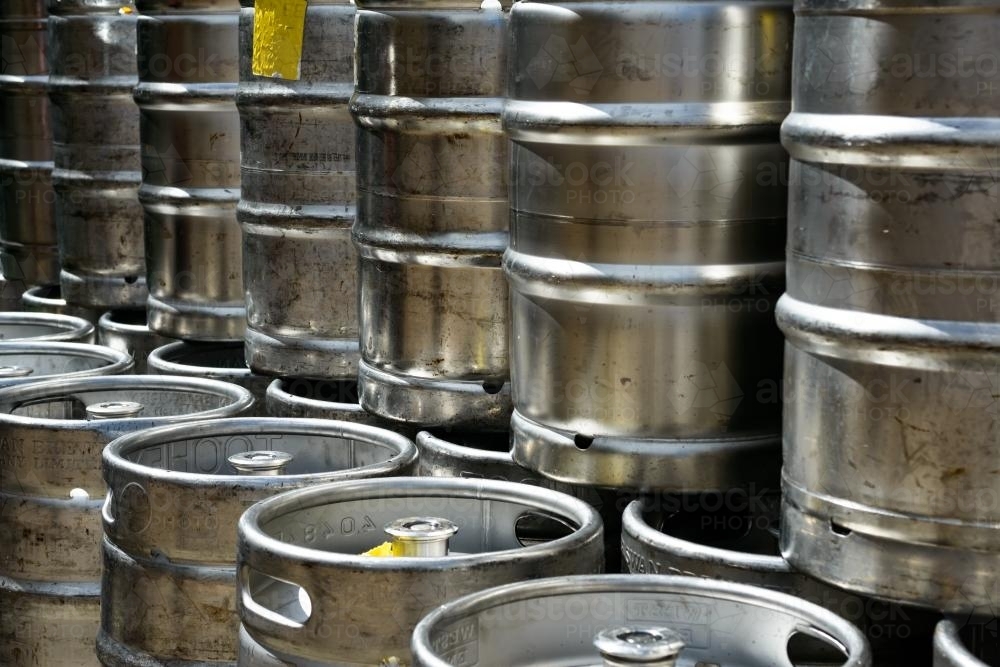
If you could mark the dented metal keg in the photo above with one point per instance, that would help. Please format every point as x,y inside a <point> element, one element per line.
<point>892,313</point>
<point>298,202</point>
<point>432,212</point>
<point>647,240</point>
<point>616,621</point>
<point>45,327</point>
<point>21,363</point>
<point>175,496</point>
<point>48,299</point>
<point>51,494</point>
<point>190,134</point>
<point>971,644</point>
<point>734,537</point>
<point>126,330</point>
<point>95,127</point>
<point>28,252</point>
<point>216,361</point>
<point>309,594</point>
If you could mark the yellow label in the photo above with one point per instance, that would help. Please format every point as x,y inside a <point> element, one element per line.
<point>383,550</point>
<point>277,38</point>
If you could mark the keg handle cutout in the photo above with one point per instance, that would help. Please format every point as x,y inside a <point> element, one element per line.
<point>274,602</point>
<point>839,529</point>
<point>809,646</point>
<point>535,527</point>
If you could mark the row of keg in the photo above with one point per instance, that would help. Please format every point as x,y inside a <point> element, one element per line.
<point>230,538</point>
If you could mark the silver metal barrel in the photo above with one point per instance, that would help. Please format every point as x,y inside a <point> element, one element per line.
<point>576,620</point>
<point>217,361</point>
<point>298,202</point>
<point>309,594</point>
<point>432,212</point>
<point>28,253</point>
<point>126,330</point>
<point>95,127</point>
<point>951,649</point>
<point>647,240</point>
<point>51,494</point>
<point>734,537</point>
<point>892,312</point>
<point>21,363</point>
<point>49,299</point>
<point>45,327</point>
<point>189,128</point>
<point>175,496</point>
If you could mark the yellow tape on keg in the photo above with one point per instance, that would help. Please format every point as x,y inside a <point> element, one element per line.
<point>277,38</point>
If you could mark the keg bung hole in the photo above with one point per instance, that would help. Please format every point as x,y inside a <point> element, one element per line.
<point>814,647</point>
<point>839,529</point>
<point>583,442</point>
<point>537,528</point>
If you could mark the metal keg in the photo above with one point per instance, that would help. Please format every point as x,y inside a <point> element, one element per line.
<point>647,240</point>
<point>28,252</point>
<point>47,327</point>
<point>620,620</point>
<point>734,537</point>
<point>51,494</point>
<point>892,312</point>
<point>310,594</point>
<point>175,496</point>
<point>190,136</point>
<point>216,361</point>
<point>974,644</point>
<point>95,127</point>
<point>432,212</point>
<point>49,299</point>
<point>126,330</point>
<point>21,363</point>
<point>298,201</point>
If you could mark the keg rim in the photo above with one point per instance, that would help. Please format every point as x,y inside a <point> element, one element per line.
<point>240,399</point>
<point>158,362</point>
<point>948,645</point>
<point>277,391</point>
<point>108,322</point>
<point>853,640</point>
<point>68,327</point>
<point>589,525</point>
<point>118,362</point>
<point>427,439</point>
<point>113,457</point>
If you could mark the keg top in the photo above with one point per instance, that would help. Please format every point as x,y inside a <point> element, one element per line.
<point>319,394</point>
<point>491,446</point>
<point>124,321</point>
<point>31,362</point>
<point>21,327</point>
<point>724,622</point>
<point>183,358</point>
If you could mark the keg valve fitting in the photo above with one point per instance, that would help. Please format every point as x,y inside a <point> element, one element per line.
<point>634,646</point>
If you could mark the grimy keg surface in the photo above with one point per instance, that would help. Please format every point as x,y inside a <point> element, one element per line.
<point>554,623</point>
<point>28,253</point>
<point>892,313</point>
<point>49,299</point>
<point>432,212</point>
<point>298,202</point>
<point>21,363</point>
<point>51,494</point>
<point>126,330</point>
<point>170,523</point>
<point>216,361</point>
<point>190,137</point>
<point>44,327</point>
<point>308,596</point>
<point>95,127</point>
<point>647,220</point>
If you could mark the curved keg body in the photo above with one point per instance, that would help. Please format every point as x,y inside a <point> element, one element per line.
<point>126,330</point>
<point>892,313</point>
<point>95,127</point>
<point>298,202</point>
<point>432,212</point>
<point>306,549</point>
<point>215,361</point>
<point>44,327</point>
<point>25,362</point>
<point>189,128</point>
<point>51,494</point>
<point>49,299</point>
<point>28,251</point>
<point>175,496</point>
<point>647,240</point>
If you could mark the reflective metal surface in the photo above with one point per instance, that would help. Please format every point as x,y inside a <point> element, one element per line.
<point>28,253</point>
<point>951,650</point>
<point>554,622</point>
<point>189,128</point>
<point>432,212</point>
<point>95,127</point>
<point>47,327</point>
<point>303,550</point>
<point>298,397</point>
<point>49,299</point>
<point>892,313</point>
<point>31,361</point>
<point>126,330</point>
<point>170,525</point>
<point>298,203</point>
<point>647,240</point>
<point>217,361</point>
<point>51,493</point>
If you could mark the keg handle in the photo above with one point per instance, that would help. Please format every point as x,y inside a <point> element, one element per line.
<point>15,371</point>
<point>634,646</point>
<point>106,509</point>
<point>420,536</point>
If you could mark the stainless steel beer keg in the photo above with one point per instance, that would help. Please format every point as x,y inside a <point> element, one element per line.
<point>25,362</point>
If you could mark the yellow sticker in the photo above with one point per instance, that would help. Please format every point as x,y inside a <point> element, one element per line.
<point>277,38</point>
